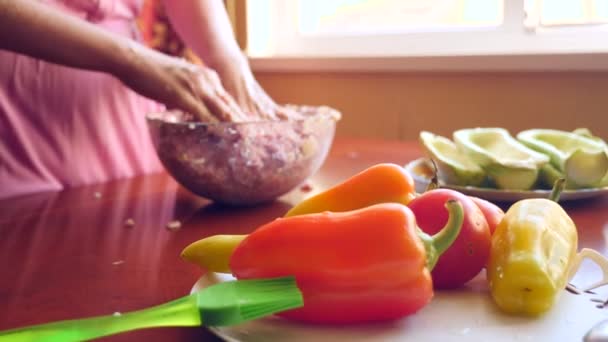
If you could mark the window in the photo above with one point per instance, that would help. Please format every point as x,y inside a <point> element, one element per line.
<point>422,29</point>
<point>318,17</point>
<point>552,13</point>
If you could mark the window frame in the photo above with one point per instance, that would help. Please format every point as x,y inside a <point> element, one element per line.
<point>522,48</point>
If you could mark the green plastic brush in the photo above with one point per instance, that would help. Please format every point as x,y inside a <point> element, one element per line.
<point>222,304</point>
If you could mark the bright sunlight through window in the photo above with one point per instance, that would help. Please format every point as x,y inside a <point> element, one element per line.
<point>321,17</point>
<point>414,28</point>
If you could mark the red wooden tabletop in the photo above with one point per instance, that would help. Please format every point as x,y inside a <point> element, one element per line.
<point>71,254</point>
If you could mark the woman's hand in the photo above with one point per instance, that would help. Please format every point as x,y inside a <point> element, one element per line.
<point>238,80</point>
<point>205,27</point>
<point>179,84</point>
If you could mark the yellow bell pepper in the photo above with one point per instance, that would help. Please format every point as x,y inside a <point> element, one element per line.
<point>380,183</point>
<point>533,249</point>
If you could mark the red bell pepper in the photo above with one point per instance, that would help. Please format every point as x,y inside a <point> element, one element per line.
<point>491,212</point>
<point>469,253</point>
<point>369,264</point>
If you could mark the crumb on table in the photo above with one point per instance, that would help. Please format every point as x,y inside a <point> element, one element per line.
<point>174,225</point>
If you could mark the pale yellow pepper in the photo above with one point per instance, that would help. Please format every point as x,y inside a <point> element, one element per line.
<point>533,249</point>
<point>213,253</point>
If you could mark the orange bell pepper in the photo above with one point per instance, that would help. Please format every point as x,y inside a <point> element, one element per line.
<point>369,264</point>
<point>380,183</point>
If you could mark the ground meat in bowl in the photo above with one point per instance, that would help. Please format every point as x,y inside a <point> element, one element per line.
<point>244,163</point>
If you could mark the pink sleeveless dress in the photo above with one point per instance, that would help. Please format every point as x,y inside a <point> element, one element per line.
<point>63,127</point>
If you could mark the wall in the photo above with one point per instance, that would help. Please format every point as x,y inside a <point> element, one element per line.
<point>398,106</point>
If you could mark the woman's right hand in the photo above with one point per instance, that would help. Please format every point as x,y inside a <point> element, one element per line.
<point>178,84</point>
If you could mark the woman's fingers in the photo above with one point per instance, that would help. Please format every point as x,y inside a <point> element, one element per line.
<point>183,94</point>
<point>267,108</point>
<point>239,82</point>
<point>286,113</point>
<point>197,108</point>
<point>198,91</point>
<point>215,97</point>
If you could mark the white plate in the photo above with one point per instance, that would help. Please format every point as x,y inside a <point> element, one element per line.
<point>421,178</point>
<point>467,314</point>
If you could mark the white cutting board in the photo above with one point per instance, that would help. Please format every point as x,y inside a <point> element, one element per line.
<point>466,314</point>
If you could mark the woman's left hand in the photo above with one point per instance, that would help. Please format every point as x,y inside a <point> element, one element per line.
<point>205,27</point>
<point>239,81</point>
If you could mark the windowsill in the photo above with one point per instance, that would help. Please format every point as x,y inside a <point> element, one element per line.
<point>474,63</point>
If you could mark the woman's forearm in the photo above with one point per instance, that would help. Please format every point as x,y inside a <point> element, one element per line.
<point>205,27</point>
<point>40,31</point>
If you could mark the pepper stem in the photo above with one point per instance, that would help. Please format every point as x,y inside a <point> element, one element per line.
<point>437,244</point>
<point>434,182</point>
<point>558,187</point>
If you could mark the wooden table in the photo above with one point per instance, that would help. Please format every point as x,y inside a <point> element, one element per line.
<point>70,254</point>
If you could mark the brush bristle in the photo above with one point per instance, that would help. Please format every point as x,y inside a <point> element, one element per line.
<point>253,311</point>
<point>238,301</point>
<point>269,296</point>
<point>266,286</point>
